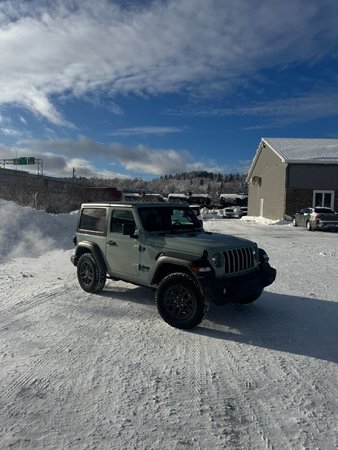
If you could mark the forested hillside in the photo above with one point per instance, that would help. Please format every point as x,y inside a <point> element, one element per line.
<point>195,182</point>
<point>66,194</point>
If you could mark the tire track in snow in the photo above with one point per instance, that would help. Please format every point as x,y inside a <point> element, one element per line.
<point>308,399</point>
<point>36,300</point>
<point>218,413</point>
<point>256,417</point>
<point>36,382</point>
<point>282,406</point>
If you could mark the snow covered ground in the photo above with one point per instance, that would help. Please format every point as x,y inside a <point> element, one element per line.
<point>81,371</point>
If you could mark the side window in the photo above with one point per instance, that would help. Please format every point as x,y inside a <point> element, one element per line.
<point>120,217</point>
<point>151,219</point>
<point>93,219</point>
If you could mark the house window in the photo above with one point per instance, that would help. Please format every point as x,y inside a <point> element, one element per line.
<point>256,181</point>
<point>323,199</point>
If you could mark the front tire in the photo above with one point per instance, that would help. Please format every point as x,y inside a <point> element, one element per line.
<point>308,226</point>
<point>180,302</point>
<point>294,223</point>
<point>91,278</point>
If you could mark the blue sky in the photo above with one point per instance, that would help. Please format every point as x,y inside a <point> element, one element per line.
<point>147,88</point>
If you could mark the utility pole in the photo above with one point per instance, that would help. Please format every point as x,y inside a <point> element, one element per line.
<point>73,182</point>
<point>16,157</point>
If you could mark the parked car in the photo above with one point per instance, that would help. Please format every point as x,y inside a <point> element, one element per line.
<point>197,211</point>
<point>318,218</point>
<point>233,212</point>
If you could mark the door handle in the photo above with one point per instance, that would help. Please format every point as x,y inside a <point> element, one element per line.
<point>139,248</point>
<point>111,243</point>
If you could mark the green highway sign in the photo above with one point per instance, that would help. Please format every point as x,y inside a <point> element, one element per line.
<point>24,160</point>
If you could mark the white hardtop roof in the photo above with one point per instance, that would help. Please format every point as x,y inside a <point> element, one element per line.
<point>300,150</point>
<point>233,196</point>
<point>178,195</point>
<point>132,203</point>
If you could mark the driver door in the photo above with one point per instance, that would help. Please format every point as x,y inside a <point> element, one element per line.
<point>303,216</point>
<point>122,251</point>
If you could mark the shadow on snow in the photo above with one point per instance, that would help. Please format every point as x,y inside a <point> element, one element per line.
<point>297,325</point>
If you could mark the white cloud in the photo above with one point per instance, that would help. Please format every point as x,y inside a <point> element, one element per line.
<point>280,111</point>
<point>10,132</point>
<point>61,155</point>
<point>156,130</point>
<point>151,161</point>
<point>199,46</point>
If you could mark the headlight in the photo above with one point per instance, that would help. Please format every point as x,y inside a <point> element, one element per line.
<point>216,259</point>
<point>255,253</point>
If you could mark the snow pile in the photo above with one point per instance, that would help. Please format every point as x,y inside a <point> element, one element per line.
<point>217,214</point>
<point>264,221</point>
<point>26,232</point>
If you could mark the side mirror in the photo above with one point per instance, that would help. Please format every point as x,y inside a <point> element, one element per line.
<point>128,229</point>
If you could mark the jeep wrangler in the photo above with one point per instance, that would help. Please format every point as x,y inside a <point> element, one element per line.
<point>164,246</point>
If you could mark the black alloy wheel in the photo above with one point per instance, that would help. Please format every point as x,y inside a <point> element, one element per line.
<point>89,275</point>
<point>180,302</point>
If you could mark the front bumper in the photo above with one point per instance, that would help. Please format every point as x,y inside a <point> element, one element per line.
<point>232,289</point>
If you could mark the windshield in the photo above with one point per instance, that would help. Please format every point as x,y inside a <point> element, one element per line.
<point>168,219</point>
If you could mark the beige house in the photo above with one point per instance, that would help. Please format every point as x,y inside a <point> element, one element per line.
<point>288,174</point>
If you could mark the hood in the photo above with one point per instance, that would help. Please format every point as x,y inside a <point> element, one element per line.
<point>197,243</point>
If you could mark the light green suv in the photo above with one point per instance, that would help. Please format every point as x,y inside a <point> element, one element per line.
<point>164,246</point>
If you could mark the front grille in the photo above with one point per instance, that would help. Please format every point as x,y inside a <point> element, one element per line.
<point>239,260</point>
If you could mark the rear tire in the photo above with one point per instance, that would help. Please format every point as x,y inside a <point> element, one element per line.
<point>250,298</point>
<point>91,278</point>
<point>180,302</point>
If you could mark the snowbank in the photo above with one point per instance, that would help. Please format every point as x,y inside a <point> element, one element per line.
<point>26,232</point>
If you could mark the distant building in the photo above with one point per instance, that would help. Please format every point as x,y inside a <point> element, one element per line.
<point>287,174</point>
<point>151,197</point>
<point>132,196</point>
<point>200,199</point>
<point>178,197</point>
<point>233,199</point>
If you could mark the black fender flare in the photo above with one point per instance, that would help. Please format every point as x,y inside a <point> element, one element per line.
<point>90,247</point>
<point>175,262</point>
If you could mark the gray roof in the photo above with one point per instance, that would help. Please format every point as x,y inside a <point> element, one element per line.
<point>300,150</point>
<point>304,150</point>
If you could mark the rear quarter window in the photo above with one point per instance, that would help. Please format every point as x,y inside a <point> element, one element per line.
<point>93,219</point>
<point>324,210</point>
